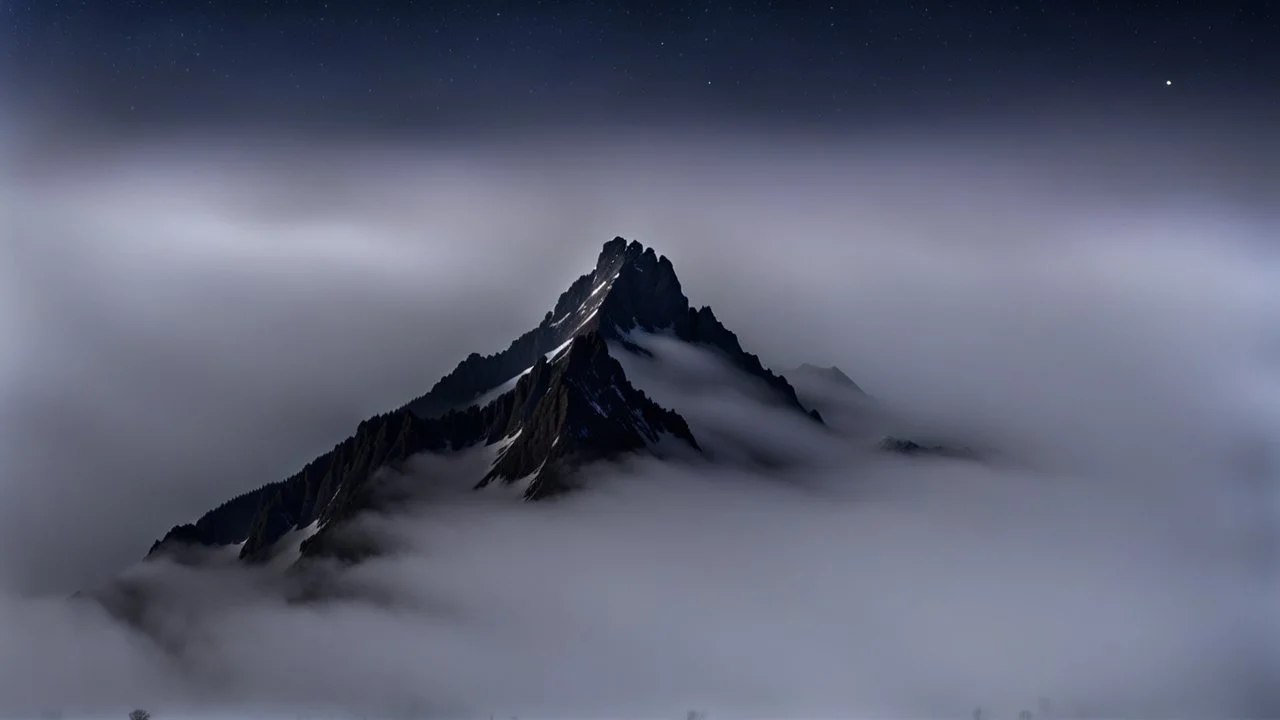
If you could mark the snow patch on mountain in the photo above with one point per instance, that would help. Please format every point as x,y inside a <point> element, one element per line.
<point>603,285</point>
<point>288,549</point>
<point>496,450</point>
<point>555,353</point>
<point>552,356</point>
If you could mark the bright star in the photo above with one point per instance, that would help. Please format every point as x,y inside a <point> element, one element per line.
<point>1168,82</point>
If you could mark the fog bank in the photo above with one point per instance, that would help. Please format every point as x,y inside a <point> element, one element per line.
<point>190,321</point>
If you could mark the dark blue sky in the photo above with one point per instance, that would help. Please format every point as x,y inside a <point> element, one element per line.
<point>418,63</point>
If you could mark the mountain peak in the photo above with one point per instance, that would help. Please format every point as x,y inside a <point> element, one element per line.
<point>555,399</point>
<point>631,289</point>
<point>618,251</point>
<point>613,252</point>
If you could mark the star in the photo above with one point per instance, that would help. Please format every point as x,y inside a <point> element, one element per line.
<point>1168,82</point>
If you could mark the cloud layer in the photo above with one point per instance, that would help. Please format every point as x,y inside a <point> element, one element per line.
<point>194,320</point>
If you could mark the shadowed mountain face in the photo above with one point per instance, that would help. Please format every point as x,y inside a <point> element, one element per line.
<point>553,401</point>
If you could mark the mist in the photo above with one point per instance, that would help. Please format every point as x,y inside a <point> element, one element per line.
<point>194,318</point>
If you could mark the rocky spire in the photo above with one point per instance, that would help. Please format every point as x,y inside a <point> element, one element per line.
<point>556,395</point>
<point>631,288</point>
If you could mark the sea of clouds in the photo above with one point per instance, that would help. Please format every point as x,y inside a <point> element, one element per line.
<point>189,320</point>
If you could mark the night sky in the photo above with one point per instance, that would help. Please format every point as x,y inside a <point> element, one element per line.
<point>383,64</point>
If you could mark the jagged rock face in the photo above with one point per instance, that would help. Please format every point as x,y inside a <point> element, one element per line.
<point>555,394</point>
<point>574,313</point>
<point>587,411</point>
<point>643,293</point>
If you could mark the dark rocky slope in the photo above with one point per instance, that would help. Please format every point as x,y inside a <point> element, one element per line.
<point>576,408</point>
